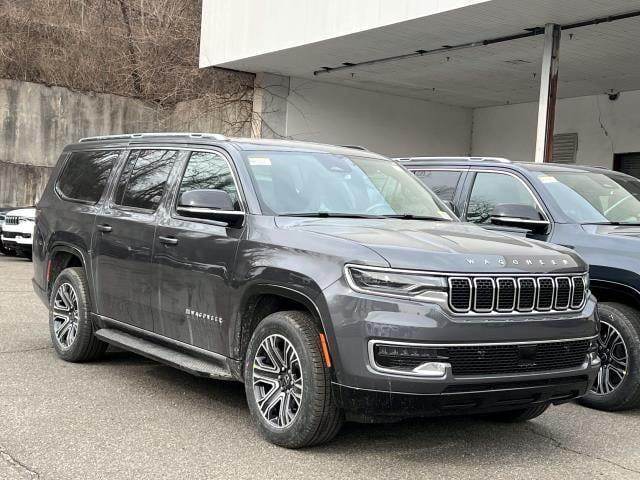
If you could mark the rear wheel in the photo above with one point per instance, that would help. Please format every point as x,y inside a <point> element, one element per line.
<point>287,383</point>
<point>70,327</point>
<point>520,415</point>
<point>617,386</point>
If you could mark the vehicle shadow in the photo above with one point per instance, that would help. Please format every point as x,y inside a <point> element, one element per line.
<point>450,441</point>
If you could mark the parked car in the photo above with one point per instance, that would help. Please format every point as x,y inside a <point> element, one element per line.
<point>3,213</point>
<point>328,279</point>
<point>17,231</point>
<point>593,211</point>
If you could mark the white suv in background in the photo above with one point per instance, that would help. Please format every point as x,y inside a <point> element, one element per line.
<point>17,231</point>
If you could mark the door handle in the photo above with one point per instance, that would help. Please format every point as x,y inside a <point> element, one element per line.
<point>168,240</point>
<point>104,228</point>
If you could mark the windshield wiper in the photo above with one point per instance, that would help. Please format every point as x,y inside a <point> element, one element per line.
<point>409,216</point>
<point>328,215</point>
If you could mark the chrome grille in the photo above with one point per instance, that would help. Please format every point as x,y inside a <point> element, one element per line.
<point>577,296</point>
<point>487,294</point>
<point>11,221</point>
<point>546,291</point>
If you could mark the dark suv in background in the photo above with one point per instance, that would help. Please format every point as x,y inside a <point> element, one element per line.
<point>594,211</point>
<point>328,279</point>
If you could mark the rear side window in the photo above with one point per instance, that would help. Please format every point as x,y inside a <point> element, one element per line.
<point>442,182</point>
<point>144,178</point>
<point>85,175</point>
<point>209,171</point>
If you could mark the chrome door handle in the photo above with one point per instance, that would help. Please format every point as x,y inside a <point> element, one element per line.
<point>104,228</point>
<point>168,240</point>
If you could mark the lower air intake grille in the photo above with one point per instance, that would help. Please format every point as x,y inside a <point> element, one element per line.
<point>482,360</point>
<point>503,359</point>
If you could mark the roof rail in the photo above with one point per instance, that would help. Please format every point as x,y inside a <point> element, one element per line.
<point>463,159</point>
<point>215,136</point>
<point>356,147</point>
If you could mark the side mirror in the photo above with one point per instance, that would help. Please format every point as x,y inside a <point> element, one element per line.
<point>210,205</point>
<point>522,216</point>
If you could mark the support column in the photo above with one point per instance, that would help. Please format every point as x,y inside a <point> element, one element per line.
<point>548,93</point>
<point>270,99</point>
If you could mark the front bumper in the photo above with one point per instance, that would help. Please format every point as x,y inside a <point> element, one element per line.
<point>359,319</point>
<point>382,406</point>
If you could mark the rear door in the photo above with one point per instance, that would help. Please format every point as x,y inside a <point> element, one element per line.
<point>194,258</point>
<point>123,238</point>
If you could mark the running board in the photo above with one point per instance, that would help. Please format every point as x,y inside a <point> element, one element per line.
<point>189,363</point>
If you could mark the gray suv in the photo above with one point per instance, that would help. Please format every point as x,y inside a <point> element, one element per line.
<point>328,279</point>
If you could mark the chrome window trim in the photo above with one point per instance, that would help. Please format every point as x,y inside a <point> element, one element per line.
<point>174,201</point>
<point>545,214</point>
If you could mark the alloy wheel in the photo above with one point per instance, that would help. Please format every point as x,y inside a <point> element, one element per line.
<point>277,381</point>
<point>66,315</point>
<point>614,360</point>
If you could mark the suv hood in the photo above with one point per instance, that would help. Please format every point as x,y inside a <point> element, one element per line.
<point>443,246</point>
<point>22,212</point>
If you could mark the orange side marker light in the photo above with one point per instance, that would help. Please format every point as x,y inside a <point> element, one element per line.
<point>325,350</point>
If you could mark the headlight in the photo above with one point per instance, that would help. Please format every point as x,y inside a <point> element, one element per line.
<point>26,219</point>
<point>392,282</point>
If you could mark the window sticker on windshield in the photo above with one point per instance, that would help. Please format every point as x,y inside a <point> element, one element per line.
<point>548,179</point>
<point>259,161</point>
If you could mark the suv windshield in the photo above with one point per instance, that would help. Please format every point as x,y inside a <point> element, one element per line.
<point>308,184</point>
<point>594,197</point>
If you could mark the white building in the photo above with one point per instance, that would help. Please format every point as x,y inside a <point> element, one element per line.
<point>467,80</point>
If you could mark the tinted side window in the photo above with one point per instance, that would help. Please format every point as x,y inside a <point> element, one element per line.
<point>442,182</point>
<point>209,171</point>
<point>85,175</point>
<point>491,189</point>
<point>144,177</point>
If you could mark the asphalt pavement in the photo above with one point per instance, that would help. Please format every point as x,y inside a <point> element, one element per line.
<point>126,417</point>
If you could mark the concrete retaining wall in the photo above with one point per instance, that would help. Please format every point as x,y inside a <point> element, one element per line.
<point>37,121</point>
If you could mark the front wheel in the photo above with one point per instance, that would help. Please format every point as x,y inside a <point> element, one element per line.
<point>287,383</point>
<point>617,386</point>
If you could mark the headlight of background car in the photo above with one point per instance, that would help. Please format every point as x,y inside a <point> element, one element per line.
<point>26,219</point>
<point>392,282</point>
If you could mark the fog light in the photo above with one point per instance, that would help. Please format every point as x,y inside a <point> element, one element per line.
<point>594,359</point>
<point>432,369</point>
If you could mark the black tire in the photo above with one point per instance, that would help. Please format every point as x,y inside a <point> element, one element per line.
<point>520,415</point>
<point>318,418</point>
<point>10,253</point>
<point>626,395</point>
<point>85,346</point>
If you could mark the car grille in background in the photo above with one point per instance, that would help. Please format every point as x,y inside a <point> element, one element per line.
<point>11,221</point>
<point>487,359</point>
<point>9,234</point>
<point>516,294</point>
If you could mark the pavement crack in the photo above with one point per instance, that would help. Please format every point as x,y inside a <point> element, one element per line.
<point>24,350</point>
<point>558,444</point>
<point>18,465</point>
